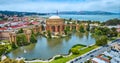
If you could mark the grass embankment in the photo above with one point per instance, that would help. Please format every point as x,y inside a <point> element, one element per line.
<point>65,59</point>
<point>5,41</point>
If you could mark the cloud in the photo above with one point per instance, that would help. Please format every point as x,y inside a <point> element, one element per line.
<point>53,5</point>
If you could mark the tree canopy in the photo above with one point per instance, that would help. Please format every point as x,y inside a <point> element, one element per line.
<point>81,29</point>
<point>21,39</point>
<point>113,22</point>
<point>75,51</point>
<point>101,41</point>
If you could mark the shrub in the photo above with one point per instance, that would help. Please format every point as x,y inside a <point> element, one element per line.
<point>101,41</point>
<point>21,39</point>
<point>79,45</point>
<point>81,29</point>
<point>20,31</point>
<point>33,38</point>
<point>75,51</point>
<point>58,57</point>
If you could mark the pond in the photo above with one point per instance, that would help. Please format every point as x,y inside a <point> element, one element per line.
<point>47,48</point>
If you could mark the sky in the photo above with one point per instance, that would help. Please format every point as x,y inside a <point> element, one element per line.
<point>42,6</point>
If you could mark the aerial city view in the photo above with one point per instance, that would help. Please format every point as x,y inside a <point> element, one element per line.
<point>59,31</point>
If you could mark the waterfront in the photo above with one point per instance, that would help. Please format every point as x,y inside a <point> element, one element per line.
<point>47,48</point>
<point>101,18</point>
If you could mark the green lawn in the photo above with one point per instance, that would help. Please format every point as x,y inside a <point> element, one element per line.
<point>6,41</point>
<point>65,59</point>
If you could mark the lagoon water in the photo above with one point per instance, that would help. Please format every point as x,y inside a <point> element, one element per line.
<point>47,48</point>
<point>101,18</point>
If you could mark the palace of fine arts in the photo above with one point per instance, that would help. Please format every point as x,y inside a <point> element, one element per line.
<point>59,31</point>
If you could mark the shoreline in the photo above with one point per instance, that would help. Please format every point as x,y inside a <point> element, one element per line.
<point>49,60</point>
<point>53,58</point>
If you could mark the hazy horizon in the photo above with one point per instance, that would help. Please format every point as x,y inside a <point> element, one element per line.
<point>43,6</point>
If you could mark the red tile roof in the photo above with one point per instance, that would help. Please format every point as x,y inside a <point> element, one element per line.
<point>2,22</point>
<point>35,23</point>
<point>3,28</point>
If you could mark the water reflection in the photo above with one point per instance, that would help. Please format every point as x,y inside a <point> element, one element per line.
<point>54,42</point>
<point>67,39</point>
<point>80,35</point>
<point>47,48</point>
<point>87,35</point>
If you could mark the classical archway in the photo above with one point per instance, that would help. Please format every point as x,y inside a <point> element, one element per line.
<point>53,28</point>
<point>58,28</point>
<point>43,27</point>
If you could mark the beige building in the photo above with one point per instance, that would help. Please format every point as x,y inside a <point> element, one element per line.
<point>4,35</point>
<point>55,24</point>
<point>28,34</point>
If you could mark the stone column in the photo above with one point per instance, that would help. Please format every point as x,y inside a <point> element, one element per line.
<point>34,30</point>
<point>12,38</point>
<point>77,27</point>
<point>70,27</point>
<point>40,28</point>
<point>50,28</point>
<point>47,27</point>
<point>56,28</point>
<point>61,29</point>
<point>28,35</point>
<point>37,29</point>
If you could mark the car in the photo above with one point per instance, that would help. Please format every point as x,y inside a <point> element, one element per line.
<point>71,62</point>
<point>76,59</point>
<point>79,57</point>
<point>91,55</point>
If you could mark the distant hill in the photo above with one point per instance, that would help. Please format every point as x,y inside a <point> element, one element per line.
<point>89,13</point>
<point>112,22</point>
<point>12,13</point>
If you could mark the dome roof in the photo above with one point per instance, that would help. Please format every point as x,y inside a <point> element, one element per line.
<point>54,17</point>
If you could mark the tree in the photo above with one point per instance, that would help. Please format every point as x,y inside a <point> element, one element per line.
<point>33,38</point>
<point>119,35</point>
<point>98,32</point>
<point>14,46</point>
<point>105,30</point>
<point>101,41</point>
<point>113,22</point>
<point>67,30</point>
<point>92,30</point>
<point>101,31</point>
<point>20,31</point>
<point>21,39</point>
<point>49,34</point>
<point>81,29</point>
<point>2,49</point>
<point>88,61</point>
<point>32,31</point>
<point>113,29</point>
<point>113,32</point>
<point>88,27</point>
<point>75,51</point>
<point>8,60</point>
<point>70,19</point>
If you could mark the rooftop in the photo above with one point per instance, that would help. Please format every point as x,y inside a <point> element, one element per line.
<point>98,60</point>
